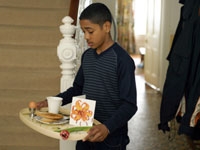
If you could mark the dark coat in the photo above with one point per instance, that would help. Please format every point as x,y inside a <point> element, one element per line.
<point>183,74</point>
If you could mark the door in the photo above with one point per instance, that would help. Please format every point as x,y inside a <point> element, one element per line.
<point>151,60</point>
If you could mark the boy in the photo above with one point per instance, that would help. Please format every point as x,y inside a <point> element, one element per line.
<point>106,75</point>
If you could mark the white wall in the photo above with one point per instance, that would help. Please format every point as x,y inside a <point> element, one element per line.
<point>169,21</point>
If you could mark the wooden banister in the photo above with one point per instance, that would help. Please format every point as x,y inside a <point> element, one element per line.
<point>73,11</point>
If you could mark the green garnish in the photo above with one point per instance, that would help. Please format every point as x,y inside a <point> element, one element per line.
<point>74,129</point>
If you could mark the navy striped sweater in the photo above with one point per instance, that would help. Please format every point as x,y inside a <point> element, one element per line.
<point>109,79</point>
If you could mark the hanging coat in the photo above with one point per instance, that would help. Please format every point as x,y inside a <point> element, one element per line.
<point>183,74</point>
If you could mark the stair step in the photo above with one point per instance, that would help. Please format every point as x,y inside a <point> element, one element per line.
<point>42,147</point>
<point>36,3</point>
<point>15,100</point>
<point>25,78</point>
<point>39,36</point>
<point>32,17</point>
<point>30,56</point>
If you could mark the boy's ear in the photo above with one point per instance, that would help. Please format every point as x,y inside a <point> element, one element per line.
<point>107,26</point>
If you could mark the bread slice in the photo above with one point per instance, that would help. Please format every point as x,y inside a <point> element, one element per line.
<point>50,116</point>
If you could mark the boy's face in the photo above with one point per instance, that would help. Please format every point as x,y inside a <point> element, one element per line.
<point>94,34</point>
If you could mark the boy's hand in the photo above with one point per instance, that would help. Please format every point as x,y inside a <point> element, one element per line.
<point>97,133</point>
<point>41,104</point>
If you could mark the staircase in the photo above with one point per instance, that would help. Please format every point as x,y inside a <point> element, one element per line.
<point>29,66</point>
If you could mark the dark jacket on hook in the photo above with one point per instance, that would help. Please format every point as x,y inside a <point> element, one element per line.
<point>183,74</point>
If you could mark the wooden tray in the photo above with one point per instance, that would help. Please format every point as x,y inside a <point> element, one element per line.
<point>49,129</point>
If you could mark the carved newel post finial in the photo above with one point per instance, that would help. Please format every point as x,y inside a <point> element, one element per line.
<point>66,52</point>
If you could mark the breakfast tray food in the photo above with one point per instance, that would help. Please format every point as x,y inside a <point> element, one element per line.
<point>51,129</point>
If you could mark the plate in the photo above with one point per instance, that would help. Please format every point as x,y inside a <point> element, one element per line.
<point>64,120</point>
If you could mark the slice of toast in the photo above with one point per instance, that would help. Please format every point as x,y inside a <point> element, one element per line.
<point>50,116</point>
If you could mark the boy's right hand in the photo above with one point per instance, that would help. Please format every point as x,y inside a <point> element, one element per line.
<point>41,104</point>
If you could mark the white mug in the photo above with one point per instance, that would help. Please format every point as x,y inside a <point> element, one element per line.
<point>54,104</point>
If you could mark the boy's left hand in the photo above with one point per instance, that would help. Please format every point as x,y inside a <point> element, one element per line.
<point>97,133</point>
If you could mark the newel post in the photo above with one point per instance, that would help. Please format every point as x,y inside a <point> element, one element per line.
<point>67,53</point>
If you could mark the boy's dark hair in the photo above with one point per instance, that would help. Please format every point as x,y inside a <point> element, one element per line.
<point>97,13</point>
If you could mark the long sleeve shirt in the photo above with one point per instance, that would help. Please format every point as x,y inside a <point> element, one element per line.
<point>109,79</point>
